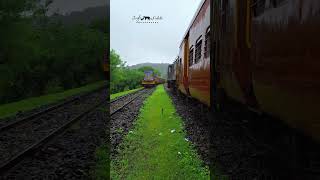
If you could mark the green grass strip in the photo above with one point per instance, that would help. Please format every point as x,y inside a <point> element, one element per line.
<point>102,169</point>
<point>11,109</point>
<point>156,148</point>
<point>113,96</point>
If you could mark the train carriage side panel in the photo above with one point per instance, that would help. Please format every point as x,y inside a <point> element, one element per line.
<point>177,72</point>
<point>186,64</point>
<point>285,52</point>
<point>199,57</point>
<point>171,76</point>
<point>233,53</point>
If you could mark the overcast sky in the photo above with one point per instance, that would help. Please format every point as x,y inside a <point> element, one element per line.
<point>158,43</point>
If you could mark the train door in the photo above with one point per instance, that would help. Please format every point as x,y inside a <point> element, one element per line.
<point>186,64</point>
<point>243,65</point>
<point>235,35</point>
<point>213,54</point>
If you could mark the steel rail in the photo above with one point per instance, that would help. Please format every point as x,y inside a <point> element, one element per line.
<point>46,110</point>
<point>123,96</point>
<point>7,165</point>
<point>127,103</point>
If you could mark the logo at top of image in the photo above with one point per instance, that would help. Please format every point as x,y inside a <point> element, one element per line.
<point>147,19</point>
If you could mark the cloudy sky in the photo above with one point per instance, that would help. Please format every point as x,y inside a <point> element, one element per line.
<point>159,43</point>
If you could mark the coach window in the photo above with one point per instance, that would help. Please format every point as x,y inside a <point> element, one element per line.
<point>207,44</point>
<point>258,7</point>
<point>198,50</point>
<point>191,56</point>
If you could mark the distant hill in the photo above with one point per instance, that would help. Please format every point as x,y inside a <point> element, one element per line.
<point>162,67</point>
<point>82,17</point>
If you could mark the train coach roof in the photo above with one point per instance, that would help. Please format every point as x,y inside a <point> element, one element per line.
<point>193,19</point>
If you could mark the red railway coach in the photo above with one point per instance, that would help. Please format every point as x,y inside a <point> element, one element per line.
<point>194,59</point>
<point>267,58</point>
<point>264,55</point>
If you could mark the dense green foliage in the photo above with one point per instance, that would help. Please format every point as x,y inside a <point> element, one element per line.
<point>148,68</point>
<point>122,77</point>
<point>39,56</point>
<point>162,68</point>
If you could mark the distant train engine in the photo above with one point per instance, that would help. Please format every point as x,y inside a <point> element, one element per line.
<point>149,79</point>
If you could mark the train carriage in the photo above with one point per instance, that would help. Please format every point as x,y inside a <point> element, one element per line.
<point>159,80</point>
<point>285,67</point>
<point>171,76</point>
<point>193,63</point>
<point>268,58</point>
<point>264,55</point>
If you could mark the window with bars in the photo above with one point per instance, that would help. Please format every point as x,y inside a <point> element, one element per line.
<point>207,44</point>
<point>191,57</point>
<point>198,50</point>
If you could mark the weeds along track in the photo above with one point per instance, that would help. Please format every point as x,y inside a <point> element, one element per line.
<point>24,136</point>
<point>124,113</point>
<point>121,102</point>
<point>9,122</point>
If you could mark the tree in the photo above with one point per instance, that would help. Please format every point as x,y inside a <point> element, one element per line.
<point>122,77</point>
<point>149,68</point>
<point>38,56</point>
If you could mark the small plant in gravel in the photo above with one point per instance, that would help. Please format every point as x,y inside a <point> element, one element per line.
<point>119,130</point>
<point>156,148</point>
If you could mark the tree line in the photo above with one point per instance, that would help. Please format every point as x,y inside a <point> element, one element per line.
<point>122,77</point>
<point>39,56</point>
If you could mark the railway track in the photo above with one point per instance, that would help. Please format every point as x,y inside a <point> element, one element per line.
<point>120,103</point>
<point>124,113</point>
<point>12,123</point>
<point>23,137</point>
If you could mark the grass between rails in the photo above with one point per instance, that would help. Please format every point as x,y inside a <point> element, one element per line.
<point>157,148</point>
<point>11,109</point>
<point>113,96</point>
<point>102,169</point>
